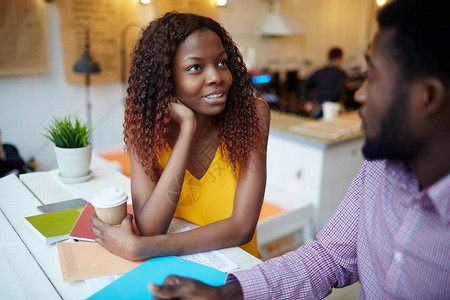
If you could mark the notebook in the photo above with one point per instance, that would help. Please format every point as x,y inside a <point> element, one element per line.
<point>82,229</point>
<point>54,226</point>
<point>81,260</point>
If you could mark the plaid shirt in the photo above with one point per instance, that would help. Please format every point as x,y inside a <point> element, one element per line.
<point>387,233</point>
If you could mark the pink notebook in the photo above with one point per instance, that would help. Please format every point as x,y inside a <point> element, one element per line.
<point>82,229</point>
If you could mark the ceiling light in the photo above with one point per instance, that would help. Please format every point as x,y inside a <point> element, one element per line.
<point>221,2</point>
<point>275,24</point>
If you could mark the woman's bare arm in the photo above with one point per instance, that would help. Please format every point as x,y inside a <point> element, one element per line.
<point>154,203</point>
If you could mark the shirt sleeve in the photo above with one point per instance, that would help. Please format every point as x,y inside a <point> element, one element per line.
<point>311,271</point>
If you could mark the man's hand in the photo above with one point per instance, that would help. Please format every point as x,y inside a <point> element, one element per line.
<point>186,288</point>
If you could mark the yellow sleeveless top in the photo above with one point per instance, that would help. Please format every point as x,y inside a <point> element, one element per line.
<point>211,198</point>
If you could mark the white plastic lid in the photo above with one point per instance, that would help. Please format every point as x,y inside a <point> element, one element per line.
<point>109,197</point>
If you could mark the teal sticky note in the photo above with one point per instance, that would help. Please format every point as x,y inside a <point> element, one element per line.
<point>134,284</point>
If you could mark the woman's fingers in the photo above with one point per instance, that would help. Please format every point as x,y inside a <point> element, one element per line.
<point>96,222</point>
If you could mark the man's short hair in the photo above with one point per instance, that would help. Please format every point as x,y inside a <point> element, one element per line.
<point>335,53</point>
<point>420,43</point>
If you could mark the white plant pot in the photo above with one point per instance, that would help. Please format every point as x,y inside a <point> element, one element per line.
<point>74,162</point>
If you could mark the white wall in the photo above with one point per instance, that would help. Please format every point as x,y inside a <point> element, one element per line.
<point>27,103</point>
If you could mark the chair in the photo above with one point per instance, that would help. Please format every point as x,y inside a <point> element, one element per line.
<point>286,226</point>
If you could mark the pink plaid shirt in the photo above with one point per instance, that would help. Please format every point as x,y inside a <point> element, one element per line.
<point>386,233</point>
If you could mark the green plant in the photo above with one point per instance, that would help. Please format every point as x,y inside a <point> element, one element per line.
<point>66,134</point>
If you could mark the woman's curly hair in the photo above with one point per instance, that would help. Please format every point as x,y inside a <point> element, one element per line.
<point>150,87</point>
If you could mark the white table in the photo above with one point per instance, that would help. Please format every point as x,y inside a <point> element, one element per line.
<point>30,269</point>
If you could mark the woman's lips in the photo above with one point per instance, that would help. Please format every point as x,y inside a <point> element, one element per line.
<point>217,98</point>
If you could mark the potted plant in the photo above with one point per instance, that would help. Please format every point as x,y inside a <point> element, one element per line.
<point>73,148</point>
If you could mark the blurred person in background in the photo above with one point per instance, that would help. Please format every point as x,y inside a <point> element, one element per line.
<point>325,84</point>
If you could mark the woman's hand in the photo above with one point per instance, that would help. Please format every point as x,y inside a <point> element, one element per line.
<point>182,114</point>
<point>120,240</point>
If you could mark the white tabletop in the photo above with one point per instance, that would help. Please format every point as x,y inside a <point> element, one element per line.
<point>24,279</point>
<point>48,188</point>
<point>32,267</point>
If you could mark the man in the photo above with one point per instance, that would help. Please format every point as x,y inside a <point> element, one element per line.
<point>326,84</point>
<point>392,230</point>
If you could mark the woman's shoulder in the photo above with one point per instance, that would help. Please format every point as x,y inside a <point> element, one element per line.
<point>260,102</point>
<point>263,111</point>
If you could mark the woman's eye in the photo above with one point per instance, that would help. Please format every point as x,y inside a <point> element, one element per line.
<point>223,63</point>
<point>193,68</point>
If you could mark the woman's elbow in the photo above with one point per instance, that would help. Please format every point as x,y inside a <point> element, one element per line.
<point>243,236</point>
<point>146,229</point>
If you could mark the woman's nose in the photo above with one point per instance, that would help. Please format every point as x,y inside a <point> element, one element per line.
<point>213,76</point>
<point>361,93</point>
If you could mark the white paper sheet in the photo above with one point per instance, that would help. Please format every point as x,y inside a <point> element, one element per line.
<point>213,259</point>
<point>97,283</point>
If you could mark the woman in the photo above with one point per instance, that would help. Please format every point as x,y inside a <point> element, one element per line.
<point>197,141</point>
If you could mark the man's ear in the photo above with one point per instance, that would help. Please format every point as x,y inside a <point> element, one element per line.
<point>434,96</point>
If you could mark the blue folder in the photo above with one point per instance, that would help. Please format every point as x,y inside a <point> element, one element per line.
<point>134,284</point>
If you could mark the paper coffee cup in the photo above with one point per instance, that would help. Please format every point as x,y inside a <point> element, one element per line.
<point>330,110</point>
<point>110,205</point>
